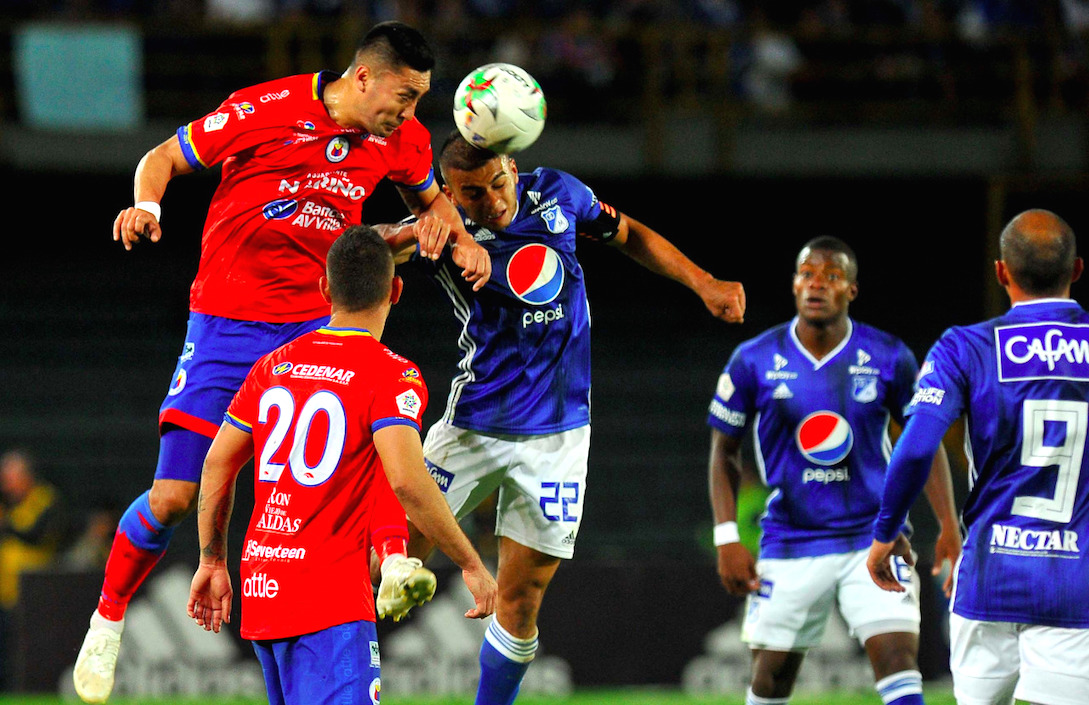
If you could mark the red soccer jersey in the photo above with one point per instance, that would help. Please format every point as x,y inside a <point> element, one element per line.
<point>312,407</point>
<point>292,180</point>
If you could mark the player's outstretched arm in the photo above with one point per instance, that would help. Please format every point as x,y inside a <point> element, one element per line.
<point>432,209</point>
<point>736,566</point>
<point>211,594</point>
<point>402,457</point>
<point>724,299</point>
<point>153,173</point>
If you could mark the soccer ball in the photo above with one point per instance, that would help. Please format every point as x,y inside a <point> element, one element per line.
<point>500,107</point>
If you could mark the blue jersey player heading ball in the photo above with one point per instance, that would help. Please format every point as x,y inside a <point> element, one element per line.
<point>518,415</point>
<point>819,393</point>
<point>1020,621</point>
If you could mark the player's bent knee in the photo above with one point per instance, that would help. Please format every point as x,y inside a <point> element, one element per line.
<point>173,500</point>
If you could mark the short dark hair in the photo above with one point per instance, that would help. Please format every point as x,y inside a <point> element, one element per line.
<point>459,153</point>
<point>833,244</point>
<point>395,44</point>
<point>1039,250</point>
<point>360,269</point>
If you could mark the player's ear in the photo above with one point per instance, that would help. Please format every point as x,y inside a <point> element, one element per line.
<point>362,75</point>
<point>852,292</point>
<point>1079,267</point>
<point>396,289</point>
<point>323,287</point>
<point>1001,273</point>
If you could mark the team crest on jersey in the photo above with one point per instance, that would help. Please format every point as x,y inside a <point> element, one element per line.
<point>375,690</point>
<point>282,368</point>
<point>864,388</point>
<point>281,209</point>
<point>555,220</point>
<point>243,109</point>
<point>178,383</point>
<point>535,274</point>
<point>824,437</point>
<point>337,149</point>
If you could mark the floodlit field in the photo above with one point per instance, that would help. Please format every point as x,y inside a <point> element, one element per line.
<point>604,697</point>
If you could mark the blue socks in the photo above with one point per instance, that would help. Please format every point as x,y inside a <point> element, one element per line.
<point>142,528</point>
<point>903,688</point>
<point>504,659</point>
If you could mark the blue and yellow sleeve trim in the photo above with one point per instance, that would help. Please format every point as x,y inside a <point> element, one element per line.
<point>189,150</point>
<point>238,423</point>
<point>421,185</point>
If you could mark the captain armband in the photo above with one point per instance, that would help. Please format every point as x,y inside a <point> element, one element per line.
<point>604,227</point>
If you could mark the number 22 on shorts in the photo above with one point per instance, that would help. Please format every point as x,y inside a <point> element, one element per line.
<point>563,494</point>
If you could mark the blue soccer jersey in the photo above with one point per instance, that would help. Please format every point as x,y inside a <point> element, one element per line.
<point>1022,382</point>
<point>525,339</point>
<point>820,429</point>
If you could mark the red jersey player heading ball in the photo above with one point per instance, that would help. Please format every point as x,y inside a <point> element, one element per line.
<point>299,156</point>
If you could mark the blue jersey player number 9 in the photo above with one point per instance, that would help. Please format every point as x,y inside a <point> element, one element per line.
<point>1038,416</point>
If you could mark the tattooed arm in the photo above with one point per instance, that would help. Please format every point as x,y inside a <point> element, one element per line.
<point>211,594</point>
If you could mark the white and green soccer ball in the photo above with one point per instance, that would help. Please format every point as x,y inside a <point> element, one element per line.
<point>500,107</point>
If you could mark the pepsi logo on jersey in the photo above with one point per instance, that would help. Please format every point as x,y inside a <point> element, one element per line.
<point>824,437</point>
<point>535,274</point>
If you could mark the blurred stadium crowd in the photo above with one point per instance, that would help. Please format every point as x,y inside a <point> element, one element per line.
<point>953,59</point>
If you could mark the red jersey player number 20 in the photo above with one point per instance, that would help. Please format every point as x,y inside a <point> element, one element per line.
<point>312,407</point>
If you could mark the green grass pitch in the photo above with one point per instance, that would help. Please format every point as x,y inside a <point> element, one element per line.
<point>934,696</point>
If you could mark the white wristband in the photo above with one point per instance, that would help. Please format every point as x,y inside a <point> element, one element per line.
<point>726,532</point>
<point>151,207</point>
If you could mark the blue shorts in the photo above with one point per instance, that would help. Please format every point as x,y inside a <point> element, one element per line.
<point>336,666</point>
<point>217,355</point>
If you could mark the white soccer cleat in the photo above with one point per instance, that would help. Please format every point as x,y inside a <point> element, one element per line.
<point>96,663</point>
<point>405,584</point>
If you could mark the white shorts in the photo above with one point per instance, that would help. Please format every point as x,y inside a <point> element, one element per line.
<point>541,481</point>
<point>994,662</point>
<point>796,596</point>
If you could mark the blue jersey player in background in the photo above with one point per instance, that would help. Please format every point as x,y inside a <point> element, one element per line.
<point>819,393</point>
<point>1020,621</point>
<point>518,415</point>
